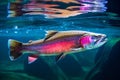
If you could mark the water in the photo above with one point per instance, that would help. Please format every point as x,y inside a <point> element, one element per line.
<point>96,64</point>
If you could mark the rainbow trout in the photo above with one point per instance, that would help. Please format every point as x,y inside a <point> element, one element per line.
<point>57,43</point>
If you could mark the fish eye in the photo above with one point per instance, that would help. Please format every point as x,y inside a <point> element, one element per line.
<point>94,37</point>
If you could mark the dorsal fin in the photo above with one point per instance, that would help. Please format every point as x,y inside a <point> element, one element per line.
<point>50,34</point>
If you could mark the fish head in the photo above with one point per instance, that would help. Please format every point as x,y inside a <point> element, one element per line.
<point>93,40</point>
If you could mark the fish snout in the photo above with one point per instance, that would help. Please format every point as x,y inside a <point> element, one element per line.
<point>99,39</point>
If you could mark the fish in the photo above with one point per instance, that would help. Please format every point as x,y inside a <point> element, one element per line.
<point>58,43</point>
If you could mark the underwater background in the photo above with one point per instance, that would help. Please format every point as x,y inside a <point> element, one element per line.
<point>25,20</point>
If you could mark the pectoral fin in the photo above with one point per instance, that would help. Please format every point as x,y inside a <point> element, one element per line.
<point>50,34</point>
<point>60,56</point>
<point>76,49</point>
<point>32,58</point>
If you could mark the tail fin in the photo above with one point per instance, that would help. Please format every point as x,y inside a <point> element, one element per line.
<point>15,49</point>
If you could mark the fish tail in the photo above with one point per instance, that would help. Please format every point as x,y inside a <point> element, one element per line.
<point>15,49</point>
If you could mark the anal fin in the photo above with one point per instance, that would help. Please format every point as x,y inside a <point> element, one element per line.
<point>32,58</point>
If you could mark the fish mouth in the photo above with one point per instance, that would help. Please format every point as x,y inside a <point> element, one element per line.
<point>104,39</point>
<point>101,40</point>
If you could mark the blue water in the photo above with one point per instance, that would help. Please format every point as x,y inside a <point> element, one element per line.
<point>97,64</point>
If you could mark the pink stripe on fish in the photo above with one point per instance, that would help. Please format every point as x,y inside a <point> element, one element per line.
<point>58,47</point>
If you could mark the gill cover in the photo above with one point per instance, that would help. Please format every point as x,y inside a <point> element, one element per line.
<point>85,40</point>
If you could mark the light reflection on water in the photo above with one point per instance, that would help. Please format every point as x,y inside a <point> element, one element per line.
<point>55,8</point>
